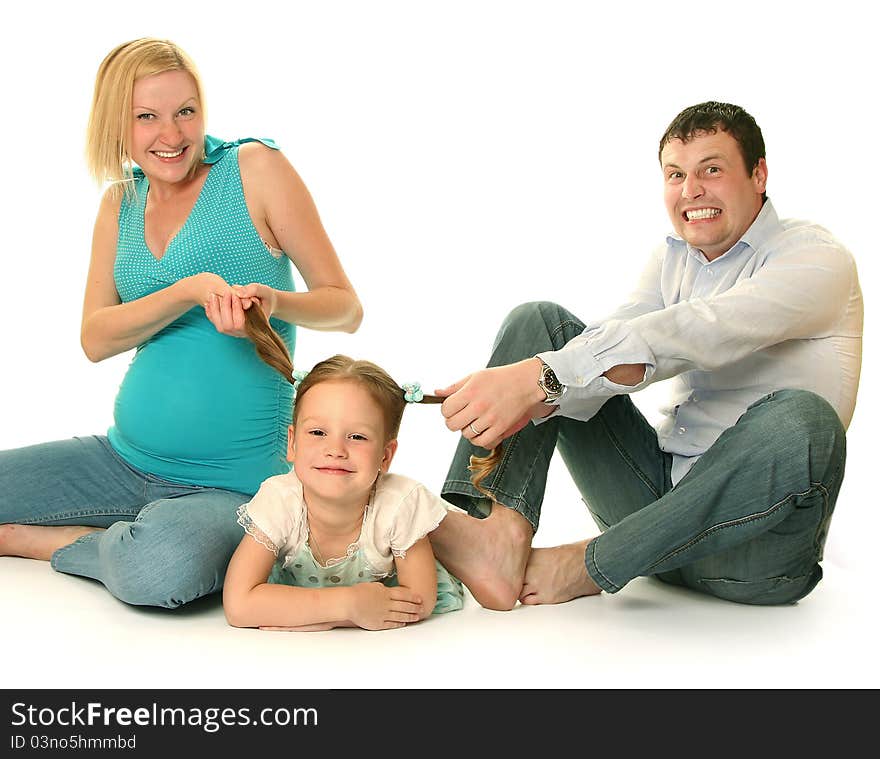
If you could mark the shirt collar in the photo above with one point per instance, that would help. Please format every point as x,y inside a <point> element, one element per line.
<point>762,229</point>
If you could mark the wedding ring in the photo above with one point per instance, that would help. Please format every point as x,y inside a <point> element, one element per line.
<point>474,429</point>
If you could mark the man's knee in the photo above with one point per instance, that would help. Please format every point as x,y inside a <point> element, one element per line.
<point>800,411</point>
<point>802,418</point>
<point>533,312</point>
<point>531,328</point>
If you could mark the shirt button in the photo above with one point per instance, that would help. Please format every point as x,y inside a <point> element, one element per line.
<point>682,430</point>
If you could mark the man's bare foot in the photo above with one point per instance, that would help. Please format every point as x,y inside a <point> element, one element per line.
<point>36,541</point>
<point>556,575</point>
<point>488,555</point>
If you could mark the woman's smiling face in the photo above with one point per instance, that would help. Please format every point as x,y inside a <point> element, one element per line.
<point>167,127</point>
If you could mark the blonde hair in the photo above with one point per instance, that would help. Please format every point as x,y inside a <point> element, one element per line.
<point>108,152</point>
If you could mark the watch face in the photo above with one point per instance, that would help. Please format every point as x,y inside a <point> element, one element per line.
<point>551,383</point>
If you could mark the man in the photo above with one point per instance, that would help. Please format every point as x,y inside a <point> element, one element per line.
<point>759,322</point>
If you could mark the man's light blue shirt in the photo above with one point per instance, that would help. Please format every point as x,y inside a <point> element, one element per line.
<point>781,309</point>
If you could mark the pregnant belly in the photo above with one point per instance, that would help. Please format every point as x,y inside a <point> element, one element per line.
<point>193,394</point>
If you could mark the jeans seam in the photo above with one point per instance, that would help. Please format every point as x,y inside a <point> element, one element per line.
<point>591,549</point>
<point>53,559</point>
<point>562,325</point>
<point>624,454</point>
<point>466,488</point>
<point>77,514</point>
<point>732,523</point>
<point>520,497</point>
<point>825,501</point>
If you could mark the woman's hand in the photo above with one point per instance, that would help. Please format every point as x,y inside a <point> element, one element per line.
<point>265,296</point>
<point>377,607</point>
<point>225,304</point>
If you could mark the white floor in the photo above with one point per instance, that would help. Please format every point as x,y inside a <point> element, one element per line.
<point>67,632</point>
<point>58,631</point>
<point>63,632</point>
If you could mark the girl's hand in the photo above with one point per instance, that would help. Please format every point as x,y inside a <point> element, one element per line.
<point>376,607</point>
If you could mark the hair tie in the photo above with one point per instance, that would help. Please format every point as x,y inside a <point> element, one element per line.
<point>412,392</point>
<point>298,376</point>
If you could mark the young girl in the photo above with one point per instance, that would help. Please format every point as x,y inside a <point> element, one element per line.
<point>339,542</point>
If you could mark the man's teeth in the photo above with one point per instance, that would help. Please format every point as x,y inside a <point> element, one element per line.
<point>702,213</point>
<point>168,155</point>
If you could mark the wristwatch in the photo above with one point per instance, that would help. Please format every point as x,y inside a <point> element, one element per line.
<point>550,384</point>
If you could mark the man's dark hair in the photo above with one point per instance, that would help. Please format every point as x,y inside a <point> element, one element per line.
<point>711,116</point>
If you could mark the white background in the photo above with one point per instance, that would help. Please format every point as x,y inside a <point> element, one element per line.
<point>465,157</point>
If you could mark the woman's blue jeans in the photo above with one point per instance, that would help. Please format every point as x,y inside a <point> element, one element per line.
<point>747,523</point>
<point>165,544</point>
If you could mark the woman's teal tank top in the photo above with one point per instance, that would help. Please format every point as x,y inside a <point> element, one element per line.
<point>195,406</point>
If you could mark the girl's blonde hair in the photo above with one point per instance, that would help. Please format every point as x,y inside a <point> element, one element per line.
<point>108,152</point>
<point>374,379</point>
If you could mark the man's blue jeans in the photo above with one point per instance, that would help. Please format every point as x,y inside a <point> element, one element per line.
<point>165,544</point>
<point>747,523</point>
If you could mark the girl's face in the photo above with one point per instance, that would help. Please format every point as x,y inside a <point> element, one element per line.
<point>167,128</point>
<point>338,446</point>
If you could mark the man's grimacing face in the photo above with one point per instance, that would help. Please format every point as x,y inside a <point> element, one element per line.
<point>710,197</point>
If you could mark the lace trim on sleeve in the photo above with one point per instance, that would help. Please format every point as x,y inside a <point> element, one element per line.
<point>400,553</point>
<point>378,574</point>
<point>251,528</point>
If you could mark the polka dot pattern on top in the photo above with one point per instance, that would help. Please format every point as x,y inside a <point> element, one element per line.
<point>197,406</point>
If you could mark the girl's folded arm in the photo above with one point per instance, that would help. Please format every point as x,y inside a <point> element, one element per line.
<point>418,572</point>
<point>249,601</point>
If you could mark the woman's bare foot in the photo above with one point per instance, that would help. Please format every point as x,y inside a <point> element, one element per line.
<point>556,575</point>
<point>32,541</point>
<point>488,555</point>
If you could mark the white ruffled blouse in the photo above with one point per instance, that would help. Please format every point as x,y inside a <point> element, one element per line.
<point>401,511</point>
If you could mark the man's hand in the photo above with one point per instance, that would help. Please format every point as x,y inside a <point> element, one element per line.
<point>492,404</point>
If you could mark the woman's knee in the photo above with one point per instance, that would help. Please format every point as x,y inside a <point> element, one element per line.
<point>149,567</point>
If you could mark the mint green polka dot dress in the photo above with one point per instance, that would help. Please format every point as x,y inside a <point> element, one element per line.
<point>196,406</point>
<point>306,572</point>
<point>401,511</point>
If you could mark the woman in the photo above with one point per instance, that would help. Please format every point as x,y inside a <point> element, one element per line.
<point>200,421</point>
